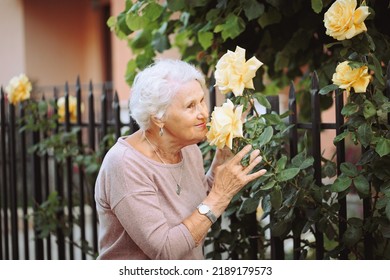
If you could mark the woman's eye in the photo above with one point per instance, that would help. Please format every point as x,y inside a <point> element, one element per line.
<point>192,105</point>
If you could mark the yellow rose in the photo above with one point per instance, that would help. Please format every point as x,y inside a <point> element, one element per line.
<point>18,89</point>
<point>344,21</point>
<point>234,74</point>
<point>72,108</point>
<point>347,78</point>
<point>225,125</point>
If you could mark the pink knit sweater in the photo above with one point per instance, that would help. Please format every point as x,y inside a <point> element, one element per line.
<point>140,214</point>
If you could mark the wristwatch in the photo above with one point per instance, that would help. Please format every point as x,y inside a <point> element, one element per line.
<point>205,210</point>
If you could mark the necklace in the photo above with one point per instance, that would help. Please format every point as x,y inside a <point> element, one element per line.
<point>178,187</point>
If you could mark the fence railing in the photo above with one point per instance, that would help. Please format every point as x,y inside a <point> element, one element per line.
<point>27,179</point>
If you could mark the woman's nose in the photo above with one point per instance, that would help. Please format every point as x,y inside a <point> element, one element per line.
<point>203,112</point>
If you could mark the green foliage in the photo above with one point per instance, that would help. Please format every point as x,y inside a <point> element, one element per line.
<point>58,143</point>
<point>289,37</point>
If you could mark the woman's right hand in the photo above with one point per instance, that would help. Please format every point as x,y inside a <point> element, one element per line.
<point>231,176</point>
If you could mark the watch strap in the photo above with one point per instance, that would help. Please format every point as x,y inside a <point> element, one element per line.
<point>209,214</point>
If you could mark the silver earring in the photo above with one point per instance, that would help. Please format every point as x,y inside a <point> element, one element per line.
<point>161,131</point>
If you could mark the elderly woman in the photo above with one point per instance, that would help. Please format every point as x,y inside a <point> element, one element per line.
<point>153,197</point>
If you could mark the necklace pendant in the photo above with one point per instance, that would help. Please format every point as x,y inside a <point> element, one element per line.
<point>178,189</point>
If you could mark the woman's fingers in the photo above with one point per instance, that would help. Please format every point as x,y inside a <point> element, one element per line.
<point>256,175</point>
<point>253,155</point>
<point>241,154</point>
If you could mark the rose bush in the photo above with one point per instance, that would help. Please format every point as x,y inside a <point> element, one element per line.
<point>55,141</point>
<point>360,71</point>
<point>290,38</point>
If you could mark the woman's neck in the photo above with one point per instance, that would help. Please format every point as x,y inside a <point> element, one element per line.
<point>166,151</point>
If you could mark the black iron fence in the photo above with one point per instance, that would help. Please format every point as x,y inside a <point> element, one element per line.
<point>28,179</point>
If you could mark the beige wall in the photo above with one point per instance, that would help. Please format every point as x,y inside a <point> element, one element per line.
<point>12,51</point>
<point>62,41</point>
<point>120,56</point>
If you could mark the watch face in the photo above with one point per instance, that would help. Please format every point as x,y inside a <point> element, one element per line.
<point>203,209</point>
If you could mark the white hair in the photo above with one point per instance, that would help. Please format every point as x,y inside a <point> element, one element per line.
<point>155,87</point>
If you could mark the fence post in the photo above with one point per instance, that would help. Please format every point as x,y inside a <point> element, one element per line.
<point>103,121</point>
<point>340,151</point>
<point>80,166</point>
<point>387,90</point>
<point>277,246</point>
<point>36,166</point>
<point>91,144</point>
<point>24,185</point>
<point>293,143</point>
<point>117,120</point>
<point>13,183</point>
<point>4,181</point>
<point>58,175</point>
<point>69,172</point>
<point>316,152</point>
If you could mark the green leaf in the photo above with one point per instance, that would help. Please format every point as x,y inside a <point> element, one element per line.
<point>270,17</point>
<point>341,183</point>
<point>249,205</point>
<point>287,174</point>
<point>378,70</point>
<point>175,5</point>
<point>383,147</point>
<point>362,185</point>
<point>307,163</point>
<point>341,136</point>
<point>349,109</point>
<point>281,60</point>
<point>276,197</point>
<point>387,210</point>
<point>369,109</point>
<point>205,39</point>
<point>364,134</point>
<point>218,28</point>
<point>196,3</point>
<point>111,22</point>
<point>135,22</point>
<point>131,71</point>
<point>141,39</point>
<point>328,88</point>
<point>329,169</point>
<point>317,6</point>
<point>352,236</point>
<point>212,15</point>
<point>269,185</point>
<point>252,9</point>
<point>152,11</point>
<point>160,42</point>
<point>233,27</point>
<point>262,100</point>
<point>266,136</point>
<point>349,169</point>
<point>281,163</point>
<point>279,228</point>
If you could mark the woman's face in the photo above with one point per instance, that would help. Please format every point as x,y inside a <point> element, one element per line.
<point>186,117</point>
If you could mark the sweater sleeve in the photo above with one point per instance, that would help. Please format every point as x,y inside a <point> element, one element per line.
<point>142,218</point>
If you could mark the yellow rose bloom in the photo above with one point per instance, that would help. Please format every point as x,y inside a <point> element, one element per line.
<point>72,108</point>
<point>225,125</point>
<point>18,89</point>
<point>346,77</point>
<point>344,21</point>
<point>233,73</point>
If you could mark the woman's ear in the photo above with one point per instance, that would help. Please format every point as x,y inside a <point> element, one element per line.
<point>157,121</point>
